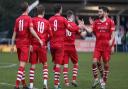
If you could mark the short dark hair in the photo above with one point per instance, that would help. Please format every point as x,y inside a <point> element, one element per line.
<point>57,8</point>
<point>24,6</point>
<point>40,9</point>
<point>69,13</point>
<point>105,9</point>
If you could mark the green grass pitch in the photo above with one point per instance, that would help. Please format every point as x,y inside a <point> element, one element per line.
<point>118,76</point>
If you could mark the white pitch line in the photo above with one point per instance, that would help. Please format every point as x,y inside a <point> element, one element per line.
<point>7,84</point>
<point>8,66</point>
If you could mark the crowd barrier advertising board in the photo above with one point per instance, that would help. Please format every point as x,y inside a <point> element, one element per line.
<point>81,46</point>
<point>85,45</point>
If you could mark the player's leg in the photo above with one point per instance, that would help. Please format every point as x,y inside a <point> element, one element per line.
<point>53,57</point>
<point>96,57</point>
<point>23,58</point>
<point>55,70</point>
<point>20,71</point>
<point>33,60</point>
<point>100,67</point>
<point>43,59</point>
<point>106,58</point>
<point>59,54</point>
<point>23,79</point>
<point>65,68</point>
<point>74,59</point>
<point>45,75</point>
<point>31,76</point>
<point>75,74</point>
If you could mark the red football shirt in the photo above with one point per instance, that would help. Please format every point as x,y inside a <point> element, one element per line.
<point>59,25</point>
<point>43,30</point>
<point>70,36</point>
<point>102,31</point>
<point>22,25</point>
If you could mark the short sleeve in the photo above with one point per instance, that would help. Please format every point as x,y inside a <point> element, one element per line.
<point>69,27</point>
<point>66,22</point>
<point>112,28</point>
<point>94,26</point>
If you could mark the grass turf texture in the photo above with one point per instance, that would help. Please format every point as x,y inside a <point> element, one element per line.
<point>118,76</point>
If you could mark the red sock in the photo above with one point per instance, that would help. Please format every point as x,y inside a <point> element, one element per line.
<point>105,74</point>
<point>19,76</point>
<point>56,76</point>
<point>45,72</point>
<point>100,69</point>
<point>23,79</point>
<point>65,73</point>
<point>31,75</point>
<point>95,72</point>
<point>75,72</point>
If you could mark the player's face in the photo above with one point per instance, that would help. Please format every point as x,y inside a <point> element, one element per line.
<point>101,13</point>
<point>71,18</point>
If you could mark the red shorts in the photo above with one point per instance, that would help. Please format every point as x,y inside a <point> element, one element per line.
<point>70,53</point>
<point>38,55</point>
<point>104,54</point>
<point>23,53</point>
<point>57,54</point>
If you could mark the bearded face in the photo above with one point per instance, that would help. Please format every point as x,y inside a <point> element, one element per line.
<point>101,13</point>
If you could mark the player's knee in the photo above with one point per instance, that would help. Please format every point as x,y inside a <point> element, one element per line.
<point>58,65</point>
<point>22,63</point>
<point>45,64</point>
<point>94,61</point>
<point>65,65</point>
<point>106,64</point>
<point>33,66</point>
<point>76,64</point>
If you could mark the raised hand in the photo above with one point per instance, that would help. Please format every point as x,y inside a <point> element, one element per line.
<point>91,20</point>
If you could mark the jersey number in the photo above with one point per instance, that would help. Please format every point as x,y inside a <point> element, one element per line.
<point>68,33</point>
<point>55,25</point>
<point>40,27</point>
<point>21,23</point>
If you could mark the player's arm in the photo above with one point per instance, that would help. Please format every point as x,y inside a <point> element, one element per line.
<point>69,27</point>
<point>13,38</point>
<point>35,35</point>
<point>86,29</point>
<point>91,27</point>
<point>33,32</point>
<point>50,31</point>
<point>81,32</point>
<point>13,41</point>
<point>112,38</point>
<point>112,30</point>
<point>50,34</point>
